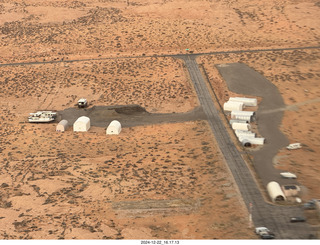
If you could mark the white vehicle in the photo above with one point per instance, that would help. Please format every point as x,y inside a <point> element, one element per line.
<point>288,175</point>
<point>294,146</point>
<point>82,103</point>
<point>42,116</point>
<point>261,230</point>
<point>264,233</point>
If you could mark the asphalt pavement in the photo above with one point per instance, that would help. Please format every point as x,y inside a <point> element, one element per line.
<point>242,79</point>
<point>264,213</point>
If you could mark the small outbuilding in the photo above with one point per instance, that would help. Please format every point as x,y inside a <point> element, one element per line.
<point>62,126</point>
<point>244,133</point>
<point>114,127</point>
<point>275,192</point>
<point>82,124</point>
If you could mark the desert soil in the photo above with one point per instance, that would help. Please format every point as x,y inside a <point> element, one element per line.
<point>165,181</point>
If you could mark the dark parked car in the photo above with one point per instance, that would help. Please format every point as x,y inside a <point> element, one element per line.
<point>297,219</point>
<point>267,236</point>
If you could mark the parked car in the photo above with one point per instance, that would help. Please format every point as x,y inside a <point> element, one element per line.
<point>297,219</point>
<point>264,233</point>
<point>82,103</point>
<point>267,236</point>
<point>310,205</point>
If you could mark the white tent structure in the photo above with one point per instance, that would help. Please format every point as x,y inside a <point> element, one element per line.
<point>233,106</point>
<point>82,124</point>
<point>243,115</point>
<point>275,192</point>
<point>62,126</point>
<point>237,121</point>
<point>251,139</point>
<point>241,126</point>
<point>114,127</point>
<point>257,141</point>
<point>245,101</point>
<point>244,133</point>
<point>245,142</point>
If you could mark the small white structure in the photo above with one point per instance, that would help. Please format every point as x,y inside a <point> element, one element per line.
<point>245,101</point>
<point>294,146</point>
<point>275,192</point>
<point>114,127</point>
<point>82,124</point>
<point>243,115</point>
<point>251,139</point>
<point>257,141</point>
<point>244,133</point>
<point>237,121</point>
<point>233,106</point>
<point>241,126</point>
<point>62,126</point>
<point>288,175</point>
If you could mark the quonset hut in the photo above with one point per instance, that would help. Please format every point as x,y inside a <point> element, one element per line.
<point>62,126</point>
<point>233,106</point>
<point>243,115</point>
<point>275,192</point>
<point>114,127</point>
<point>82,124</point>
<point>241,126</point>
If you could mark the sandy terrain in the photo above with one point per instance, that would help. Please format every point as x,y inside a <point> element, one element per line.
<point>160,181</point>
<point>47,30</point>
<point>89,186</point>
